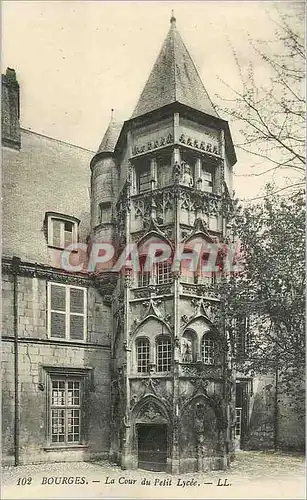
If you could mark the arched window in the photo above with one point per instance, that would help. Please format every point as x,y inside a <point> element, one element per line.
<point>207,349</point>
<point>142,355</point>
<point>164,355</point>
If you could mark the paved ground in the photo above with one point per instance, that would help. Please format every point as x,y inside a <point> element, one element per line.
<point>254,475</point>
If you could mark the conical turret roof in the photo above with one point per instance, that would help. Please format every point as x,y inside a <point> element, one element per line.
<point>110,137</point>
<point>174,77</point>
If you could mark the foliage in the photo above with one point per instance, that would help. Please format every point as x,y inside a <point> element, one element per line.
<point>270,288</point>
<point>269,106</point>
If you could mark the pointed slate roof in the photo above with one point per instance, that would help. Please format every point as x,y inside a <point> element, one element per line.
<point>109,140</point>
<point>174,77</point>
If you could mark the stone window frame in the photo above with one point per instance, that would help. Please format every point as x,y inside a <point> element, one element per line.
<point>50,218</point>
<point>67,311</point>
<point>85,377</point>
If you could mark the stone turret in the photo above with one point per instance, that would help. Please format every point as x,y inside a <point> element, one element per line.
<point>104,183</point>
<point>172,392</point>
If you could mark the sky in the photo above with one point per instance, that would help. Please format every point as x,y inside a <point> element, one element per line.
<point>75,60</point>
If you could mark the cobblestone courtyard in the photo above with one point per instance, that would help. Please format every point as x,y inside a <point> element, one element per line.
<point>256,475</point>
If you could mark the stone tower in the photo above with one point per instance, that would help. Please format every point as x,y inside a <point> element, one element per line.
<point>165,177</point>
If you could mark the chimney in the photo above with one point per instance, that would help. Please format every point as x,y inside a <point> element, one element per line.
<point>10,110</point>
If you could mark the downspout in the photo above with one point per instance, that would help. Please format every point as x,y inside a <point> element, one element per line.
<point>15,270</point>
<point>276,413</point>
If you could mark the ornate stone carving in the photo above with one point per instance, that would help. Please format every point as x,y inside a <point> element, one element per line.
<point>152,308</point>
<point>151,413</point>
<point>154,144</point>
<point>196,144</point>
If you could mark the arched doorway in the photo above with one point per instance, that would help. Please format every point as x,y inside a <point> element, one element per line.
<point>151,435</point>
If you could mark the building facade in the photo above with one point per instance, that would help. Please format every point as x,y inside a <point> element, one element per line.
<point>129,363</point>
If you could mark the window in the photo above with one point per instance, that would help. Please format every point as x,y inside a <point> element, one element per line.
<point>187,267</point>
<point>66,311</point>
<point>207,350</point>
<point>206,276</point>
<point>164,355</point>
<point>104,212</point>
<point>164,272</point>
<point>62,230</point>
<point>143,276</point>
<point>206,176</point>
<point>144,180</point>
<point>164,174</point>
<point>142,355</point>
<point>65,409</point>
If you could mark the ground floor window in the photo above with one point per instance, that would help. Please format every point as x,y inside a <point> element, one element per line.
<point>67,405</point>
<point>65,411</point>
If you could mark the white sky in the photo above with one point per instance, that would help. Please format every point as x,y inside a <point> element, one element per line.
<point>75,60</point>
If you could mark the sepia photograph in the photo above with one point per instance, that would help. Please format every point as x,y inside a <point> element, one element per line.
<point>153,249</point>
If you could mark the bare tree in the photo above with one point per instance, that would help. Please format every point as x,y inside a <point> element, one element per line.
<point>271,113</point>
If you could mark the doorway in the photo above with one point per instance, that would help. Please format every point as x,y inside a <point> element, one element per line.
<point>152,446</point>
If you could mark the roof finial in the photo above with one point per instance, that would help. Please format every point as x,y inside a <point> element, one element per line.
<point>173,19</point>
<point>112,113</point>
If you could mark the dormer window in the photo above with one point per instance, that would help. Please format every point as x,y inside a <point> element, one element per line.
<point>62,230</point>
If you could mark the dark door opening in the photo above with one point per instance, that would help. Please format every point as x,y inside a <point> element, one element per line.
<point>152,446</point>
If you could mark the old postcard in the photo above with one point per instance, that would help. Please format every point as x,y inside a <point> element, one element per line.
<point>153,282</point>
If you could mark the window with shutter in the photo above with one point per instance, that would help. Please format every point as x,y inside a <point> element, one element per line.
<point>66,311</point>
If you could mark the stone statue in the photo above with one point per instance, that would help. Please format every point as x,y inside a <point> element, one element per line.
<point>187,179</point>
<point>187,351</point>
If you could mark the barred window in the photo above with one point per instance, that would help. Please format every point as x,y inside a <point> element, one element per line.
<point>207,350</point>
<point>66,311</point>
<point>164,355</point>
<point>164,272</point>
<point>65,411</point>
<point>142,354</point>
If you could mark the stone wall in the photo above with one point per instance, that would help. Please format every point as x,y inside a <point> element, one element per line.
<point>45,175</point>
<point>37,356</point>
